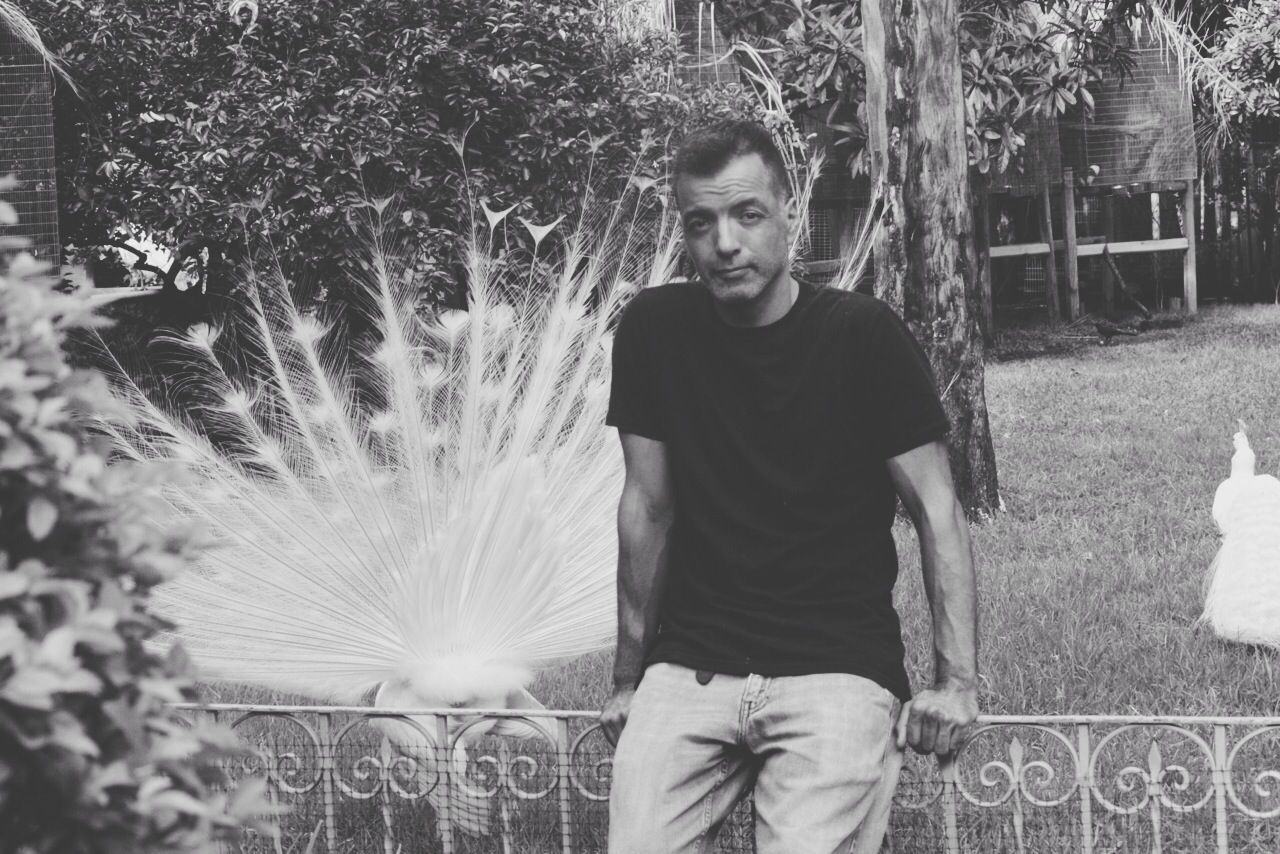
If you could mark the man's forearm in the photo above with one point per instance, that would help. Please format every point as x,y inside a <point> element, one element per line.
<point>642,561</point>
<point>946,558</point>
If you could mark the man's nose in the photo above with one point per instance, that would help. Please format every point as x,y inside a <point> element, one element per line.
<point>727,244</point>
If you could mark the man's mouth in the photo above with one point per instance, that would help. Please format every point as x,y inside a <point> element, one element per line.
<point>732,272</point>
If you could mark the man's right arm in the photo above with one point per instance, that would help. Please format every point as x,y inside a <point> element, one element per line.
<point>645,513</point>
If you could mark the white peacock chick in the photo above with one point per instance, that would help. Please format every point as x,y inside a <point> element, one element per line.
<point>1242,598</point>
<point>429,519</point>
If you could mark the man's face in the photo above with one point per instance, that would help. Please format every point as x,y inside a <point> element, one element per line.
<point>738,226</point>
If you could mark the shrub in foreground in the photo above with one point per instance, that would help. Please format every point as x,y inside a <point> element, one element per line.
<point>92,756</point>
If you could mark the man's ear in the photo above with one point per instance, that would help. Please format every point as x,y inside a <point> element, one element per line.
<point>791,210</point>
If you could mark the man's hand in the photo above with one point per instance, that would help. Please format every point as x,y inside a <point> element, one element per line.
<point>614,715</point>
<point>936,720</point>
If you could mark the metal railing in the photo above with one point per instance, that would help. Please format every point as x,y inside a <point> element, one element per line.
<point>449,781</point>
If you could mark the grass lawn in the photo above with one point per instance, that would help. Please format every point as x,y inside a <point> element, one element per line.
<point>1090,582</point>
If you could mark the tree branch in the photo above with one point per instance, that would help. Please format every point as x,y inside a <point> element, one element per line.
<point>168,278</point>
<point>141,263</point>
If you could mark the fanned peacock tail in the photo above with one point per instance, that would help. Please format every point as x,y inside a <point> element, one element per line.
<point>433,509</point>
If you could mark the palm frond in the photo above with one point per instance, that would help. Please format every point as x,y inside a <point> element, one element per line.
<point>16,22</point>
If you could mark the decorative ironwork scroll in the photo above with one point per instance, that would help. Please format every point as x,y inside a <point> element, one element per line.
<point>475,781</point>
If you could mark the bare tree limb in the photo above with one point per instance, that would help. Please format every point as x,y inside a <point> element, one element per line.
<point>1124,288</point>
<point>141,264</point>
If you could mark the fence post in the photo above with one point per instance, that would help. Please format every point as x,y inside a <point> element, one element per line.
<point>1189,260</point>
<point>1069,237</point>
<point>1220,785</point>
<point>566,783</point>
<point>1084,780</point>
<point>1051,263</point>
<point>443,779</point>
<point>950,822</point>
<point>327,766</point>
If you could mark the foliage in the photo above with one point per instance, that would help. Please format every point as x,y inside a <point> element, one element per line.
<point>1249,51</point>
<point>94,759</point>
<point>200,129</point>
<point>1011,61</point>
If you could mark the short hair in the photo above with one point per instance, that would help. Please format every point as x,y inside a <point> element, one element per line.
<point>706,151</point>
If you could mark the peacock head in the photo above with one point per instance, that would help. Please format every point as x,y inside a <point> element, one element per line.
<point>1243,461</point>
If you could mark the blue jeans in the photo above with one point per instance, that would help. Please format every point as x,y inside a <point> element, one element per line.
<point>819,750</point>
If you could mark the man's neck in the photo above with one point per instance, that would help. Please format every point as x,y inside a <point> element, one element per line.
<point>772,306</point>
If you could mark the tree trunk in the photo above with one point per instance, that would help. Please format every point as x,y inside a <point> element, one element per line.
<point>925,260</point>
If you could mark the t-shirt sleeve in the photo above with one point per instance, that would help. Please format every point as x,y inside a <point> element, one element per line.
<point>903,410</point>
<point>633,399</point>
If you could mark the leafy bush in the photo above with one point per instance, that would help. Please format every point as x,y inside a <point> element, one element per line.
<point>203,131</point>
<point>93,758</point>
<point>1249,52</point>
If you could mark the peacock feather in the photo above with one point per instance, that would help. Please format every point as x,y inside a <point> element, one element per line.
<point>429,513</point>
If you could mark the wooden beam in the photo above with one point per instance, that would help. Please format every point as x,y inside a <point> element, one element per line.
<point>1019,250</point>
<point>1069,235</point>
<point>1189,236</point>
<point>1130,247</point>
<point>1051,263</point>
<point>1090,247</point>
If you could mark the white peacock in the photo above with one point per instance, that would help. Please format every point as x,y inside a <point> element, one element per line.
<point>1242,598</point>
<point>433,549</point>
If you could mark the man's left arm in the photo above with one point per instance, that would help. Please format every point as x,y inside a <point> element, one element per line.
<point>934,721</point>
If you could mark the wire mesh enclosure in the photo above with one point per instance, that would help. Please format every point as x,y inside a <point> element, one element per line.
<point>1141,131</point>
<point>26,145</point>
<point>1048,785</point>
<point>706,60</point>
<point>839,202</point>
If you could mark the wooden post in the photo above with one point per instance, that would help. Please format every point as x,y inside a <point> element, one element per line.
<point>1209,225</point>
<point>1051,263</point>
<point>1189,260</point>
<point>1155,257</point>
<point>982,242</point>
<point>1249,233</point>
<point>1226,266</point>
<point>1109,236</point>
<point>1069,236</point>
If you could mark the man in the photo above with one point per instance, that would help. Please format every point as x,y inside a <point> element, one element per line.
<point>766,426</point>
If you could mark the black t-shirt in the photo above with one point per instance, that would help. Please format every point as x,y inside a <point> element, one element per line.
<point>782,560</point>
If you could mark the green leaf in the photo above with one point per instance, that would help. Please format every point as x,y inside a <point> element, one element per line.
<point>42,515</point>
<point>69,734</point>
<point>12,584</point>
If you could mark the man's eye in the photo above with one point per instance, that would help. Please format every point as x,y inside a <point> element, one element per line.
<point>752,216</point>
<point>696,225</point>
